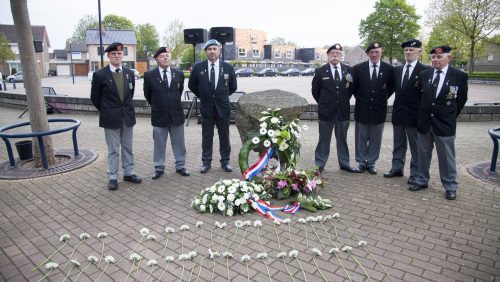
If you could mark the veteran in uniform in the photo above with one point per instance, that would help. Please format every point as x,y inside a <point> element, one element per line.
<point>373,85</point>
<point>111,93</point>
<point>213,81</point>
<point>332,86</point>
<point>163,88</point>
<point>404,110</point>
<point>444,93</point>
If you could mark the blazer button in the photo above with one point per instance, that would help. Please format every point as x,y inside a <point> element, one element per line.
<point>432,115</point>
<point>433,104</point>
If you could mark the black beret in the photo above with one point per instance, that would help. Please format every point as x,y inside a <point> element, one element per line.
<point>115,46</point>
<point>441,49</point>
<point>415,43</point>
<point>335,46</point>
<point>374,45</point>
<point>161,50</point>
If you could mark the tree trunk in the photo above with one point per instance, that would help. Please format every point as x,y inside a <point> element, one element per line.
<point>471,55</point>
<point>32,83</point>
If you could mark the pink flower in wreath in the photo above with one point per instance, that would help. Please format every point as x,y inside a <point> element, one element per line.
<point>295,187</point>
<point>312,184</point>
<point>282,184</point>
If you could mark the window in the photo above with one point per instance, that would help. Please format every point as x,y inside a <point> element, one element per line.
<point>76,55</point>
<point>125,51</point>
<point>94,66</point>
<point>318,56</point>
<point>242,52</point>
<point>289,54</point>
<point>15,48</point>
<point>99,50</point>
<point>253,39</point>
<point>491,57</point>
<point>277,54</point>
<point>256,53</point>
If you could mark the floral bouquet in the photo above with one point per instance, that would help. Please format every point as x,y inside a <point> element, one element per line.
<point>229,196</point>
<point>274,131</point>
<point>301,185</point>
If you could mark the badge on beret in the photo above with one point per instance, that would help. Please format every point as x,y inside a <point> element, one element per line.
<point>119,48</point>
<point>376,45</point>
<point>438,50</point>
<point>337,47</point>
<point>413,43</point>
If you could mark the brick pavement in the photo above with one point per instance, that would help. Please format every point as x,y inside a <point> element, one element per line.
<point>415,236</point>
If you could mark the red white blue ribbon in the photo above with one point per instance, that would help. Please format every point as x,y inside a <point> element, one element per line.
<point>264,209</point>
<point>259,165</point>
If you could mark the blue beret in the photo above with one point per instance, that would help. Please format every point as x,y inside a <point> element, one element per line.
<point>115,46</point>
<point>441,49</point>
<point>210,43</point>
<point>415,43</point>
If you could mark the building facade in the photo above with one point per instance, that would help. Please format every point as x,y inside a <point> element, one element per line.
<point>125,36</point>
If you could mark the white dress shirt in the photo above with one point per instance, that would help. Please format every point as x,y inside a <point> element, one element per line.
<point>371,68</point>
<point>169,74</point>
<point>339,69</point>
<point>441,78</point>
<point>410,70</point>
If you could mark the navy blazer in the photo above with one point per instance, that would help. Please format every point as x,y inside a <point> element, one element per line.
<point>332,97</point>
<point>441,112</point>
<point>371,96</point>
<point>165,100</point>
<point>407,99</point>
<point>104,95</point>
<point>199,84</point>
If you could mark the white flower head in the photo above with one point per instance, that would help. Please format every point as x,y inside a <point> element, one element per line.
<point>152,262</point>
<point>333,250</point>
<point>257,223</point>
<point>199,223</point>
<point>229,212</point>
<point>134,257</point>
<point>169,229</point>
<point>263,131</point>
<point>245,258</point>
<point>192,254</point>
<point>169,258</point>
<point>287,221</point>
<point>362,243</point>
<point>346,248</point>
<point>144,231</point>
<point>319,218</point>
<point>213,254</point>
<point>64,238</point>
<point>84,236</point>
<point>267,143</point>
<point>109,259</point>
<point>316,252</point>
<point>92,259</point>
<point>293,253</point>
<point>183,257</point>
<point>231,197</point>
<point>311,219</point>
<point>271,133</point>
<point>336,215</point>
<point>75,262</point>
<point>227,254</point>
<point>274,120</point>
<point>282,254</point>
<point>184,227</point>
<point>276,222</point>
<point>151,237</point>
<point>51,265</point>
<point>327,217</point>
<point>263,125</point>
<point>262,255</point>
<point>221,206</point>
<point>301,220</point>
<point>102,235</point>
<point>247,223</point>
<point>305,127</point>
<point>238,223</point>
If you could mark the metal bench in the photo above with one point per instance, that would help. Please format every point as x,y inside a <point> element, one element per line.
<point>495,135</point>
<point>46,91</point>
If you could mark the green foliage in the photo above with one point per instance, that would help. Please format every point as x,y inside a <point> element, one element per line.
<point>5,51</point>
<point>392,22</point>
<point>485,75</point>
<point>13,71</point>
<point>117,22</point>
<point>440,35</point>
<point>187,55</point>
<point>173,38</point>
<point>147,40</point>
<point>92,22</point>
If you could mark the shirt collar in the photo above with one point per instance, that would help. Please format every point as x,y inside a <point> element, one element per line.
<point>216,64</point>
<point>444,70</point>
<point>412,64</point>
<point>113,68</point>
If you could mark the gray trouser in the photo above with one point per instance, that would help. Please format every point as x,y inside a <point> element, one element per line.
<point>160,136</point>
<point>404,135</point>
<point>445,149</point>
<point>368,141</point>
<point>116,138</point>
<point>325,136</point>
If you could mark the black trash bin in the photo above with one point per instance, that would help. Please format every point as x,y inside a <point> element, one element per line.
<point>25,149</point>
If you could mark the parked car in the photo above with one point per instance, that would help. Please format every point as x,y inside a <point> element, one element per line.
<point>247,72</point>
<point>268,72</point>
<point>137,74</point>
<point>290,72</point>
<point>307,72</point>
<point>15,77</point>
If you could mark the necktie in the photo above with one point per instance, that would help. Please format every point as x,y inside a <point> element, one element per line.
<point>337,76</point>
<point>435,83</point>
<point>406,76</point>
<point>165,76</point>
<point>374,73</point>
<point>117,70</point>
<point>212,76</point>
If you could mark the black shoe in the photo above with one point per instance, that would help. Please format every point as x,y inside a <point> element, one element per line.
<point>320,169</point>
<point>113,184</point>
<point>361,168</point>
<point>132,178</point>
<point>371,170</point>
<point>393,173</point>
<point>411,180</point>
<point>227,167</point>
<point>451,195</point>
<point>415,187</point>
<point>350,169</point>
<point>157,174</point>
<point>205,168</point>
<point>183,172</point>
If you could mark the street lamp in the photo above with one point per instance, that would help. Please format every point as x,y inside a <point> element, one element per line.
<point>71,61</point>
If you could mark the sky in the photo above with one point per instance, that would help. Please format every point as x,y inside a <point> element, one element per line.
<point>313,23</point>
